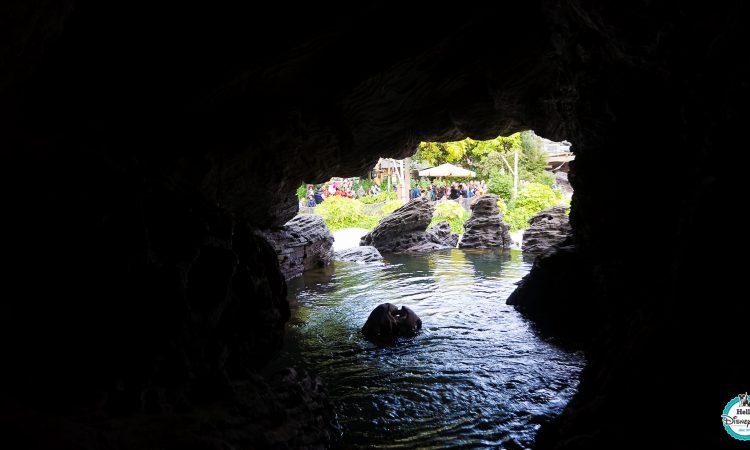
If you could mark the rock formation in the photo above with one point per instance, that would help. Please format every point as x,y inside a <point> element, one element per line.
<point>485,228</point>
<point>387,322</point>
<point>303,243</point>
<point>563,184</point>
<point>363,253</point>
<point>557,294</point>
<point>548,227</point>
<point>404,230</point>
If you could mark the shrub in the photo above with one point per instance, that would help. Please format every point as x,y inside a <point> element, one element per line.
<point>341,212</point>
<point>541,177</point>
<point>380,198</point>
<point>453,213</point>
<point>546,178</point>
<point>531,199</point>
<point>302,192</point>
<point>501,184</point>
<point>502,206</point>
<point>389,207</point>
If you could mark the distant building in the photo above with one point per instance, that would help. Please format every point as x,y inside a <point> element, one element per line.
<point>554,148</point>
<point>559,155</point>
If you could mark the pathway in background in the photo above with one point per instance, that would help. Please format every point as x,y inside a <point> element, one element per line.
<point>347,238</point>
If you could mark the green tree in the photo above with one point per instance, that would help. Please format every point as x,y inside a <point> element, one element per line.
<point>533,159</point>
<point>436,153</point>
<point>491,156</point>
<point>501,184</point>
<point>531,199</point>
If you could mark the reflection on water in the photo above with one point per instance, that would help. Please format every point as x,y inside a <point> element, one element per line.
<point>476,377</point>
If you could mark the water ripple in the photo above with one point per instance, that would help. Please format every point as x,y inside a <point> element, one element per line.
<point>476,377</point>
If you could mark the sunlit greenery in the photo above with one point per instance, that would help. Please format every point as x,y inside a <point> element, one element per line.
<point>342,212</point>
<point>531,199</point>
<point>453,213</point>
<point>501,184</point>
<point>489,157</point>
<point>380,198</point>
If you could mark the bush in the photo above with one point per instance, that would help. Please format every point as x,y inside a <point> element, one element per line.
<point>360,183</point>
<point>541,177</point>
<point>453,213</point>
<point>389,207</point>
<point>531,199</point>
<point>341,212</point>
<point>502,206</point>
<point>501,184</point>
<point>380,198</point>
<point>546,178</point>
<point>302,192</point>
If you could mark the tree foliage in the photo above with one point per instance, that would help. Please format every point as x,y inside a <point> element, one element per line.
<point>491,156</point>
<point>531,199</point>
<point>501,184</point>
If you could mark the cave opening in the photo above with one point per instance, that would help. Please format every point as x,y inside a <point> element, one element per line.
<point>144,151</point>
<point>450,258</point>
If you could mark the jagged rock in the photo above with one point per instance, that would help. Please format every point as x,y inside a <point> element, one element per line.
<point>548,227</point>
<point>404,230</point>
<point>303,243</point>
<point>364,253</point>
<point>562,183</point>
<point>441,234</point>
<point>557,295</point>
<point>485,228</point>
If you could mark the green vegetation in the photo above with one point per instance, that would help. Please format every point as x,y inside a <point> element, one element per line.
<point>502,207</point>
<point>531,199</point>
<point>488,157</point>
<point>501,184</point>
<point>380,198</point>
<point>493,160</point>
<point>302,191</point>
<point>389,207</point>
<point>342,212</point>
<point>453,213</point>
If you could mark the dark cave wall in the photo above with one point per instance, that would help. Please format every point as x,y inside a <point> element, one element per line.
<point>656,100</point>
<point>142,150</point>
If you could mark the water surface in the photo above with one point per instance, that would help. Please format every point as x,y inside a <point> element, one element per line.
<point>476,377</point>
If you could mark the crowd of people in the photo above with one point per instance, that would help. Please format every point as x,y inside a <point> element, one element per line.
<point>340,187</point>
<point>434,192</point>
<point>454,191</point>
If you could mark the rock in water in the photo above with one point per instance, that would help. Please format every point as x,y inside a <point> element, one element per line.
<point>303,243</point>
<point>387,322</point>
<point>405,230</point>
<point>548,227</point>
<point>365,253</point>
<point>485,228</point>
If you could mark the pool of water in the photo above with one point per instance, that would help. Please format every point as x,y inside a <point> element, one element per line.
<point>477,376</point>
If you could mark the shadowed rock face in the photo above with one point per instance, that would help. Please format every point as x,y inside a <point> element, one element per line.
<point>404,230</point>
<point>485,228</point>
<point>140,165</point>
<point>303,243</point>
<point>547,228</point>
